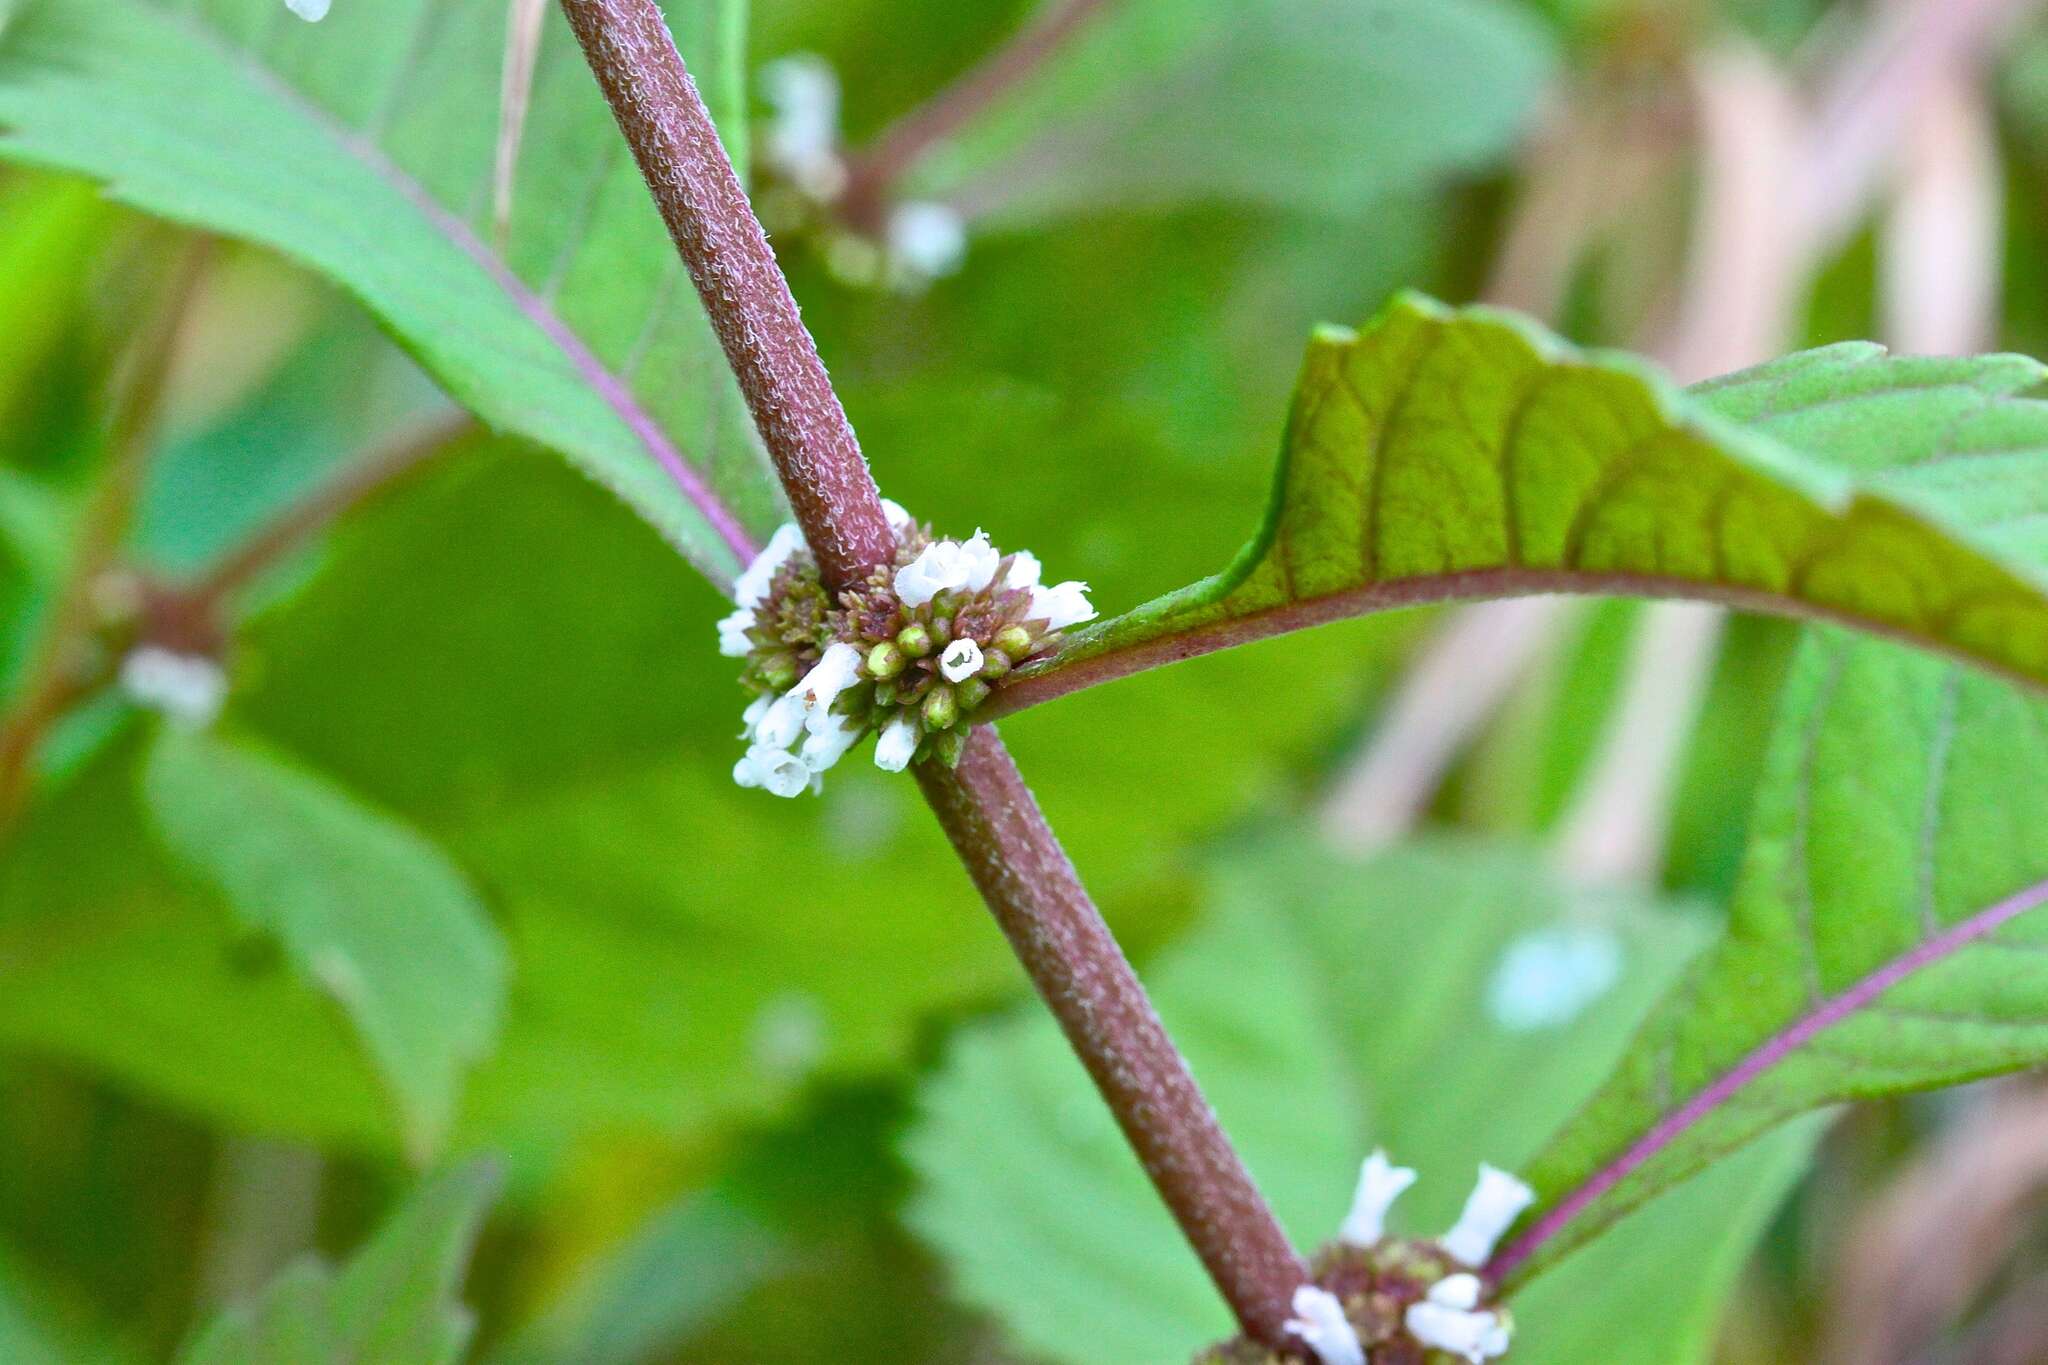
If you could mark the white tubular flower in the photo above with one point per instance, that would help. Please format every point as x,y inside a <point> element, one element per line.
<point>751,717</point>
<point>1062,605</point>
<point>752,585</point>
<point>1447,1321</point>
<point>312,11</point>
<point>836,670</point>
<point>1024,570</point>
<point>961,661</point>
<point>779,725</point>
<point>778,771</point>
<point>979,561</point>
<point>896,514</point>
<point>1380,1183</point>
<point>732,633</point>
<point>830,737</point>
<point>187,688</point>
<point>1320,1323</point>
<point>897,746</point>
<point>1496,1202</point>
<point>803,138</point>
<point>939,567</point>
<point>927,239</point>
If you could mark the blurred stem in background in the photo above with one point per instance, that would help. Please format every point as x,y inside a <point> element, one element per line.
<point>984,806</point>
<point>65,664</point>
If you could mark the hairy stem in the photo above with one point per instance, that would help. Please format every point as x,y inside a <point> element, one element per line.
<point>64,666</point>
<point>874,173</point>
<point>983,805</point>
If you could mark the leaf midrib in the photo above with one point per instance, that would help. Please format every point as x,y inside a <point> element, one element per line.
<point>610,389</point>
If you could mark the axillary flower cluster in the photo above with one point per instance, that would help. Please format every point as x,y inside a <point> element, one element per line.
<point>909,653</point>
<point>1380,1300</point>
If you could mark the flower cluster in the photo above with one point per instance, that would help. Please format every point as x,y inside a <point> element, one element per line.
<point>1376,1300</point>
<point>909,653</point>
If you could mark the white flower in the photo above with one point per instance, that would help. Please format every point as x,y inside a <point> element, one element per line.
<point>803,138</point>
<point>732,633</point>
<point>961,661</point>
<point>1446,1321</point>
<point>779,771</point>
<point>1496,1202</point>
<point>751,717</point>
<point>1024,570</point>
<point>979,561</point>
<point>836,670</point>
<point>829,739</point>
<point>312,11</point>
<point>187,688</point>
<point>897,746</point>
<point>898,517</point>
<point>779,725</point>
<point>1380,1183</point>
<point>1062,605</point>
<point>938,568</point>
<point>1320,1323</point>
<point>927,239</point>
<point>752,585</point>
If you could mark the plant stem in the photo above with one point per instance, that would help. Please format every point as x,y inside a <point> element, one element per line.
<point>873,174</point>
<point>765,341</point>
<point>63,668</point>
<point>983,805</point>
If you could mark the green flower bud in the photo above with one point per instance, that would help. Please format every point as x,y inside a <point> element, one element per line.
<point>885,694</point>
<point>885,660</point>
<point>1015,641</point>
<point>948,745</point>
<point>940,710</point>
<point>971,693</point>
<point>994,663</point>
<point>914,640</point>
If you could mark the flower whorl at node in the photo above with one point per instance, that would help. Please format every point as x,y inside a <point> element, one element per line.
<point>1379,1300</point>
<point>910,652</point>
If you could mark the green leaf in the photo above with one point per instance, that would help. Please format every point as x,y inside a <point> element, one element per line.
<point>392,1304</point>
<point>364,907</point>
<point>1881,939</point>
<point>1324,1017</point>
<point>1454,453</point>
<point>362,148</point>
<point>1310,105</point>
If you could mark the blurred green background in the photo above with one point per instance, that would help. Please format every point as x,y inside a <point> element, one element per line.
<point>754,1074</point>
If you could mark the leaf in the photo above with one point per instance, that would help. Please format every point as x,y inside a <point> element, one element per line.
<point>1323,1016</point>
<point>364,907</point>
<point>363,148</point>
<point>1316,106</point>
<point>40,1326</point>
<point>1457,453</point>
<point>392,1304</point>
<point>1880,941</point>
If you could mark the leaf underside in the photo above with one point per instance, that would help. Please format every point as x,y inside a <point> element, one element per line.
<point>363,147</point>
<point>1884,938</point>
<point>1458,453</point>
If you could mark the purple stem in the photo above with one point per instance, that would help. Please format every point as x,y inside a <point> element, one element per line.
<point>1781,1045</point>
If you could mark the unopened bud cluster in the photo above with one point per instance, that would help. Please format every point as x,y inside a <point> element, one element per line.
<point>1379,1300</point>
<point>910,653</point>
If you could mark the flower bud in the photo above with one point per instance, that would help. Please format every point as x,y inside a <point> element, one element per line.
<point>1014,641</point>
<point>971,693</point>
<point>994,663</point>
<point>948,745</point>
<point>940,709</point>
<point>885,660</point>
<point>914,640</point>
